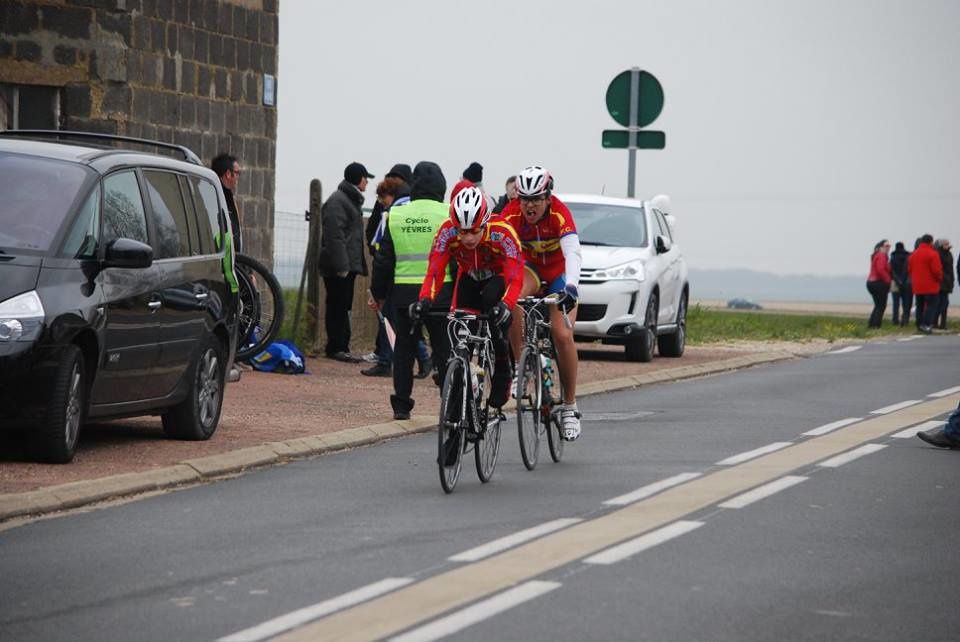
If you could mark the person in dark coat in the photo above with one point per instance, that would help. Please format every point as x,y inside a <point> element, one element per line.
<point>901,290</point>
<point>427,207</point>
<point>341,257</point>
<point>946,285</point>
<point>511,193</point>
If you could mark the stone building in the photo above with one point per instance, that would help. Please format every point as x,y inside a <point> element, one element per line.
<point>200,73</point>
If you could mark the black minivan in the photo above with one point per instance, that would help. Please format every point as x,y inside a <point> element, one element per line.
<point>117,294</point>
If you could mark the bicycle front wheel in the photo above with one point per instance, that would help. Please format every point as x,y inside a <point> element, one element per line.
<point>450,428</point>
<point>487,449</point>
<point>551,409</point>
<point>261,306</point>
<point>528,406</point>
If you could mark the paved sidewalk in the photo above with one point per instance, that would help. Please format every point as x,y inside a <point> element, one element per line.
<point>268,419</point>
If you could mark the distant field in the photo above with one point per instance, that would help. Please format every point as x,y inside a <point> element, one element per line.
<point>847,309</point>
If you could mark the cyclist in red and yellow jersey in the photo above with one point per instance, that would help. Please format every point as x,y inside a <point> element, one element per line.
<point>551,252</point>
<point>489,274</point>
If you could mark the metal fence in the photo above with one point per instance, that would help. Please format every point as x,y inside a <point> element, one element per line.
<point>290,236</point>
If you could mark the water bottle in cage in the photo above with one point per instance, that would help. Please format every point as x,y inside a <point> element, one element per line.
<point>546,366</point>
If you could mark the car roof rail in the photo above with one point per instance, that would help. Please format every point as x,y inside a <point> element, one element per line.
<point>188,154</point>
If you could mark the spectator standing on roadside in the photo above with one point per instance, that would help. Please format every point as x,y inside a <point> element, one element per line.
<point>926,273</point>
<point>399,268</point>
<point>946,286</point>
<point>228,169</point>
<point>900,288</point>
<point>878,282</point>
<point>341,257</point>
<point>405,174</point>
<point>472,177</point>
<point>511,193</point>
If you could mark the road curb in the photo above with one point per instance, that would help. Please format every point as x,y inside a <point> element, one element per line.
<point>191,471</point>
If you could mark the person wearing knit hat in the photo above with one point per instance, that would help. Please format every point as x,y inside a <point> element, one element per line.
<point>402,171</point>
<point>474,173</point>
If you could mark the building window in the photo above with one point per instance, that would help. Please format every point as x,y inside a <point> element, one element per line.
<point>29,107</point>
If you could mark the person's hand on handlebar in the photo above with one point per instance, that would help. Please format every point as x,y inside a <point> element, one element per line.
<point>500,314</point>
<point>570,296</point>
<point>419,309</point>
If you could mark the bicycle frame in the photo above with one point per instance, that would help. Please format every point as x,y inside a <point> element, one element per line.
<point>464,343</point>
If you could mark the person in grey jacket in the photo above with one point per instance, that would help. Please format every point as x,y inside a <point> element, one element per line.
<point>341,257</point>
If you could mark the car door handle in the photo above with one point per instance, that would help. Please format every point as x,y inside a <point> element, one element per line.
<point>154,305</point>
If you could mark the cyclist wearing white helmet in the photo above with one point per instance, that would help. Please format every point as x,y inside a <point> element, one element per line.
<point>551,252</point>
<point>489,274</point>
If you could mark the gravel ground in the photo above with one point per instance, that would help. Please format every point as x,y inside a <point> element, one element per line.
<point>265,407</point>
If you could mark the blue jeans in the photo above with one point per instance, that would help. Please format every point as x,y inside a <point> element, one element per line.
<point>952,429</point>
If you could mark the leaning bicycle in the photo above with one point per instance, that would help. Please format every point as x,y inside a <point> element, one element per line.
<point>538,377</point>
<point>466,419</point>
<point>261,306</point>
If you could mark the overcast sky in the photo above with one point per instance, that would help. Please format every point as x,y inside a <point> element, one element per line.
<point>798,133</point>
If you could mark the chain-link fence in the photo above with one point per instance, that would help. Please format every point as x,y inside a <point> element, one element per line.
<point>290,237</point>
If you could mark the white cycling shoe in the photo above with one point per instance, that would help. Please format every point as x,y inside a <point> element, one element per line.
<point>570,422</point>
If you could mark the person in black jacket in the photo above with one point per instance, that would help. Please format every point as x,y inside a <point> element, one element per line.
<point>901,291</point>
<point>341,257</point>
<point>428,184</point>
<point>404,173</point>
<point>946,285</point>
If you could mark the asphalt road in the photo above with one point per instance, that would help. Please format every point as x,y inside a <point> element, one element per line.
<point>652,528</point>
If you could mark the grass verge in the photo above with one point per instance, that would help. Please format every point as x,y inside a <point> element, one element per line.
<point>714,326</point>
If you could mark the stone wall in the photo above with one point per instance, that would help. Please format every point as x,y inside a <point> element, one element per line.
<point>189,72</point>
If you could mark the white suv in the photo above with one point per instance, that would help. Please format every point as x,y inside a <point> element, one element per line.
<point>633,283</point>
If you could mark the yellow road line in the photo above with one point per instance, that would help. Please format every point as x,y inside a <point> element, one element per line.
<point>433,596</point>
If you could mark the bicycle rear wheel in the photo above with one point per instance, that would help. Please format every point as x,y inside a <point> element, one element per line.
<point>261,306</point>
<point>450,429</point>
<point>529,417</point>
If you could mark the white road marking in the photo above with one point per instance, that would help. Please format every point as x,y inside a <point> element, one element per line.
<point>651,489</point>
<point>895,407</point>
<point>824,429</point>
<point>847,457</point>
<point>945,393</point>
<point>750,454</point>
<point>478,612</point>
<point>760,492</point>
<point>912,337</point>
<point>502,544</point>
<point>292,620</point>
<point>637,545</point>
<point>912,431</point>
<point>845,350</point>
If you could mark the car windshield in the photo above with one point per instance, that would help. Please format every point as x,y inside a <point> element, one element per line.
<point>36,195</point>
<point>613,225</point>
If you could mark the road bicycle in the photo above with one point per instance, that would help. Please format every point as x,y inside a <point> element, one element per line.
<point>261,306</point>
<point>539,391</point>
<point>466,419</point>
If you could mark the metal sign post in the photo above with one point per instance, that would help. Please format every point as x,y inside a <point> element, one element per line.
<point>626,107</point>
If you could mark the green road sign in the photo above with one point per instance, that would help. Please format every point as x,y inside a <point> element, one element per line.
<point>649,94</point>
<point>619,138</point>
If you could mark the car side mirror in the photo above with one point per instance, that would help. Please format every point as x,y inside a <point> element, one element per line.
<point>127,253</point>
<point>663,244</point>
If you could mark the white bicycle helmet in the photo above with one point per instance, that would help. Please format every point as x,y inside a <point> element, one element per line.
<point>534,181</point>
<point>468,211</point>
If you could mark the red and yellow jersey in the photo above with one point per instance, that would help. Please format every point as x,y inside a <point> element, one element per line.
<point>541,240</point>
<point>497,253</point>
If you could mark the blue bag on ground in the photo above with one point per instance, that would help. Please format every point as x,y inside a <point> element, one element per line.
<point>280,356</point>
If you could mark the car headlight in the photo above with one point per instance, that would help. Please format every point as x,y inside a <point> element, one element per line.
<point>21,318</point>
<point>628,271</point>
